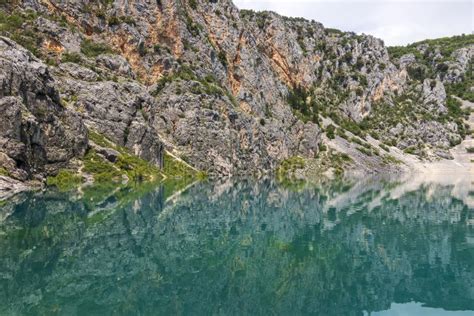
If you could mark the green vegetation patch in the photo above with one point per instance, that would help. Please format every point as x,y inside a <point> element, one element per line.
<point>117,20</point>
<point>260,17</point>
<point>341,133</point>
<point>303,103</point>
<point>127,164</point>
<point>177,169</point>
<point>407,110</point>
<point>333,160</point>
<point>19,27</point>
<point>463,89</point>
<point>384,147</point>
<point>101,169</point>
<point>4,172</point>
<point>446,45</point>
<point>136,168</point>
<point>365,151</point>
<point>65,180</point>
<point>332,31</point>
<point>330,131</point>
<point>430,67</point>
<point>410,150</point>
<point>94,49</point>
<point>202,86</point>
<point>288,167</point>
<point>71,58</point>
<point>285,173</point>
<point>390,160</point>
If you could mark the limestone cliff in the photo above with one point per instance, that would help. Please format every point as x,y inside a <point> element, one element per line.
<point>229,91</point>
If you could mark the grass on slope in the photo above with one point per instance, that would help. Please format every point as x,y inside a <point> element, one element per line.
<point>128,166</point>
<point>446,45</point>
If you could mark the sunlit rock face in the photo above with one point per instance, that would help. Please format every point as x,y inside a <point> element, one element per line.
<point>239,248</point>
<point>211,82</point>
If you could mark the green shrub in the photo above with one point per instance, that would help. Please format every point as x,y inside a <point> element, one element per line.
<point>71,58</point>
<point>454,108</point>
<point>142,49</point>
<point>359,63</point>
<point>347,57</point>
<point>345,157</point>
<point>390,160</point>
<point>136,168</point>
<point>330,131</point>
<point>352,127</point>
<point>375,151</point>
<point>101,169</point>
<point>161,84</point>
<point>130,165</point>
<point>365,151</point>
<point>304,105</point>
<point>341,133</point>
<point>375,135</point>
<point>261,19</point>
<point>357,141</point>
<point>19,27</point>
<point>222,58</point>
<point>177,169</point>
<point>193,28</point>
<point>390,142</point>
<point>117,20</point>
<point>384,147</point>
<point>463,89</point>
<point>446,45</point>
<point>417,73</point>
<point>93,49</point>
<point>288,166</point>
<point>4,172</point>
<point>193,4</point>
<point>332,31</point>
<point>65,180</point>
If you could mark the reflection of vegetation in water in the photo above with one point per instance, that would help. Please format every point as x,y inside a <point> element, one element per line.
<point>237,248</point>
<point>99,194</point>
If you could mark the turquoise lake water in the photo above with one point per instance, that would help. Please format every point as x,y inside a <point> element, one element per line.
<point>371,247</point>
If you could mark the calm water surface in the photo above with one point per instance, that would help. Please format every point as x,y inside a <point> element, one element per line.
<point>367,247</point>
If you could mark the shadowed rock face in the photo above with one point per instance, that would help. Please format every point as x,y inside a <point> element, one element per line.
<point>37,135</point>
<point>211,82</point>
<point>239,248</point>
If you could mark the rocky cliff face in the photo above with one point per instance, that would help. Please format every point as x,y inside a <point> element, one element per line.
<point>37,135</point>
<point>231,92</point>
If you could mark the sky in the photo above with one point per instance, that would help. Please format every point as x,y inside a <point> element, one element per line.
<point>397,22</point>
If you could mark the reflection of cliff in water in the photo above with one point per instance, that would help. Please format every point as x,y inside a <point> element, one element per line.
<point>239,248</point>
